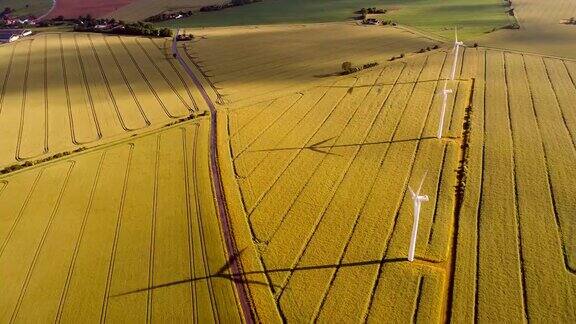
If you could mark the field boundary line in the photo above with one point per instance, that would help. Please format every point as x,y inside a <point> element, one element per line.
<point>460,199</point>
<point>119,217</point>
<point>219,195</point>
<point>480,192</point>
<point>32,266</point>
<point>64,293</point>
<point>114,141</point>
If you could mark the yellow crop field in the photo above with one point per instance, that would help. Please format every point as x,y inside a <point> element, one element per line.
<point>323,175</point>
<point>59,92</point>
<point>246,63</point>
<point>127,232</point>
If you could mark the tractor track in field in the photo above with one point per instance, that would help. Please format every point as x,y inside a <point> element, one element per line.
<point>220,197</point>
<point>109,88</point>
<point>148,83</point>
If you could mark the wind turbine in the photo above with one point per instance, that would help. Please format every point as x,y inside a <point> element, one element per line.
<point>417,200</point>
<point>456,49</point>
<point>445,92</point>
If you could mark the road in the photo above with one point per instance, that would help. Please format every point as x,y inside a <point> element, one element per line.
<point>219,195</point>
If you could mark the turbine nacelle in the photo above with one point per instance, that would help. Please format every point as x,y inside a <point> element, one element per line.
<point>421,199</point>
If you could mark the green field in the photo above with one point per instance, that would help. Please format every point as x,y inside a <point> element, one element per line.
<point>27,7</point>
<point>438,16</point>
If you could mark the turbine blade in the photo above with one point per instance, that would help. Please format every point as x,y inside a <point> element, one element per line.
<point>422,182</point>
<point>412,192</point>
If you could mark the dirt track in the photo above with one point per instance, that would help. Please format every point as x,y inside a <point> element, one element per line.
<point>235,266</point>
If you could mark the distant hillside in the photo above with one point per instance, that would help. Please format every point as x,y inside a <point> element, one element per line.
<point>27,7</point>
<point>473,17</point>
<point>142,9</point>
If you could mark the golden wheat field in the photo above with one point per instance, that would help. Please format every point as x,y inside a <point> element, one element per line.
<point>323,172</point>
<point>126,232</point>
<point>59,92</point>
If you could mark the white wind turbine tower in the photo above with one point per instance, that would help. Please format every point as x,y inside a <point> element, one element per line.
<point>456,49</point>
<point>445,93</point>
<point>417,200</point>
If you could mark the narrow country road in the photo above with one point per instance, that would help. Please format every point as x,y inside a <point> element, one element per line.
<point>235,266</point>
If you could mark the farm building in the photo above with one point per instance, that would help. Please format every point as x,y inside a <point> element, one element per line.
<point>11,35</point>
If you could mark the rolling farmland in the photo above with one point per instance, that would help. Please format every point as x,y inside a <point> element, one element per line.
<point>29,7</point>
<point>475,17</point>
<point>540,29</point>
<point>123,232</point>
<point>59,92</point>
<point>323,175</point>
<point>95,8</point>
<point>142,9</point>
<point>249,63</point>
<point>245,179</point>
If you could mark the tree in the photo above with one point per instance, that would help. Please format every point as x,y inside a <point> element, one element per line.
<point>346,66</point>
<point>165,32</point>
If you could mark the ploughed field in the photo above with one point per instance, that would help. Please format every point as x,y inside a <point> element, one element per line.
<point>324,167</point>
<point>125,232</point>
<point>59,92</point>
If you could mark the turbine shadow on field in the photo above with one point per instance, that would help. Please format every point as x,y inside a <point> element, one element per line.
<point>320,146</point>
<point>222,273</point>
